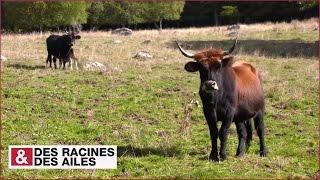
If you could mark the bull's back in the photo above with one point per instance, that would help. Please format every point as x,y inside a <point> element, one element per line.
<point>53,44</point>
<point>249,90</point>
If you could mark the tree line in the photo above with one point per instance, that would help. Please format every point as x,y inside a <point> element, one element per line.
<point>42,15</point>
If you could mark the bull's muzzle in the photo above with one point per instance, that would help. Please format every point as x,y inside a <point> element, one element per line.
<point>211,85</point>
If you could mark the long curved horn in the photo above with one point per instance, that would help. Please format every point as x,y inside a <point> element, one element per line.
<point>185,53</point>
<point>231,49</point>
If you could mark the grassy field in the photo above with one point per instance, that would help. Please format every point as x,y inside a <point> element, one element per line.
<point>140,105</point>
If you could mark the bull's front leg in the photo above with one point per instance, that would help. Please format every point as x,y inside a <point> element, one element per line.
<point>223,133</point>
<point>212,123</point>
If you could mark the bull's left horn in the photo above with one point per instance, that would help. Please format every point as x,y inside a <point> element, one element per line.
<point>231,49</point>
<point>185,53</point>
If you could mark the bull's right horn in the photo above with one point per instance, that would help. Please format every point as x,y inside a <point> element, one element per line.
<point>231,49</point>
<point>185,53</point>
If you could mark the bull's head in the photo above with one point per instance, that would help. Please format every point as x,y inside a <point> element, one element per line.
<point>73,35</point>
<point>72,38</point>
<point>210,64</point>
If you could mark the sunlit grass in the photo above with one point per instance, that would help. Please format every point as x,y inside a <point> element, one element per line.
<point>139,105</point>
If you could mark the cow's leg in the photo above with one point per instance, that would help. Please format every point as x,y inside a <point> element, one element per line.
<point>242,136</point>
<point>76,64</point>
<point>212,123</point>
<point>224,131</point>
<point>248,124</point>
<point>55,62</point>
<point>48,60</point>
<point>60,62</point>
<point>70,64</point>
<point>259,126</point>
<point>64,64</point>
<point>74,59</point>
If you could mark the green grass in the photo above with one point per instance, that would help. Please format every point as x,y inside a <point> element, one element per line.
<point>141,110</point>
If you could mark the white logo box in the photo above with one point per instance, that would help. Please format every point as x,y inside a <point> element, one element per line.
<point>102,155</point>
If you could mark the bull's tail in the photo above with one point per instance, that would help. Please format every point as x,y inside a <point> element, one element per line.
<point>249,128</point>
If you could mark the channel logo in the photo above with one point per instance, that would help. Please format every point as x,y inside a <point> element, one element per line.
<point>21,157</point>
<point>62,157</point>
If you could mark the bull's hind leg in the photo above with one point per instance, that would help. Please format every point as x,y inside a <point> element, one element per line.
<point>248,124</point>
<point>259,126</point>
<point>242,137</point>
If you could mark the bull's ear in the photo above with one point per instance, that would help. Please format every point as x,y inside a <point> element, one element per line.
<point>227,61</point>
<point>77,37</point>
<point>192,66</point>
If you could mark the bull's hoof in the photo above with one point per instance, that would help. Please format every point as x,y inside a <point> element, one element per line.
<point>223,157</point>
<point>263,153</point>
<point>214,158</point>
<point>240,154</point>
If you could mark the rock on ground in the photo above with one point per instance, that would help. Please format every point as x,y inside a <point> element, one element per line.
<point>233,27</point>
<point>94,66</point>
<point>117,41</point>
<point>143,55</point>
<point>122,31</point>
<point>148,41</point>
<point>233,34</point>
<point>243,26</point>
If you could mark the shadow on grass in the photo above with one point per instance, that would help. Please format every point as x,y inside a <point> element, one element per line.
<point>139,152</point>
<point>27,67</point>
<point>268,48</point>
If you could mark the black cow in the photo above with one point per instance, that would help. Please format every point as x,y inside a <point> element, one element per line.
<point>229,92</point>
<point>60,47</point>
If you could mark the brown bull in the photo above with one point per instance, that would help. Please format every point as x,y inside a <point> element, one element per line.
<point>229,92</point>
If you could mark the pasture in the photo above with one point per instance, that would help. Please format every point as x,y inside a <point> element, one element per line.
<point>150,108</point>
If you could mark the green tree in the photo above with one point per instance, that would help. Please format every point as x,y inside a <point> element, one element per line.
<point>201,13</point>
<point>17,16</point>
<point>131,13</point>
<point>96,14</point>
<point>41,15</point>
<point>230,13</point>
<point>123,13</point>
<point>159,11</point>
